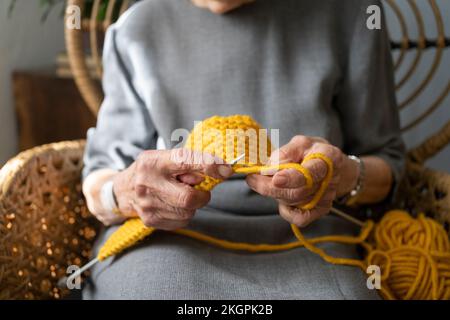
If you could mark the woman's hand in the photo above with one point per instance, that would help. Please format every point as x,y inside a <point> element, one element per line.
<point>289,186</point>
<point>158,186</point>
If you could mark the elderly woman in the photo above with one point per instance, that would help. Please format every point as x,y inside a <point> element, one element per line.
<point>311,69</point>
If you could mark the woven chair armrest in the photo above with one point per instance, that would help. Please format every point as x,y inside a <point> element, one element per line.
<point>426,190</point>
<point>44,223</point>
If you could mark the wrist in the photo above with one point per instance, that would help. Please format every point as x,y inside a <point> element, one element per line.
<point>351,197</point>
<point>108,198</point>
<point>122,189</point>
<point>96,188</point>
<point>350,173</point>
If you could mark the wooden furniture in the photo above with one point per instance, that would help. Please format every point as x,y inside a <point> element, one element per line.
<point>48,109</point>
<point>44,223</point>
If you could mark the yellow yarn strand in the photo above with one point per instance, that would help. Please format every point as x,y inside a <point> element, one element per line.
<point>413,254</point>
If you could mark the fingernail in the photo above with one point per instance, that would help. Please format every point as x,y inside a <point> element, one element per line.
<point>225,171</point>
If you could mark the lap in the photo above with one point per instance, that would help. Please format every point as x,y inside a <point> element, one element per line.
<point>169,266</point>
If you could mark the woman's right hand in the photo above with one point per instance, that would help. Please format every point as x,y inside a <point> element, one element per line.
<point>159,186</point>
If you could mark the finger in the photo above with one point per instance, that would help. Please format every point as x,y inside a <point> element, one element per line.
<point>163,224</point>
<point>326,200</point>
<point>301,218</point>
<point>328,150</point>
<point>292,213</point>
<point>301,201</point>
<point>188,161</point>
<point>191,179</point>
<point>306,217</point>
<point>320,139</point>
<point>293,151</point>
<point>173,192</point>
<point>289,178</point>
<point>264,186</point>
<point>167,225</point>
<point>321,209</point>
<point>156,219</point>
<point>180,195</point>
<point>223,171</point>
<point>317,168</point>
<point>158,207</point>
<point>286,212</point>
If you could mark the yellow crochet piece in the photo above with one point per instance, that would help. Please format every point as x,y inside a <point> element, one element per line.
<point>413,254</point>
<point>126,236</point>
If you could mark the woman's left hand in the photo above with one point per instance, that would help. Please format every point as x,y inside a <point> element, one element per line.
<point>288,186</point>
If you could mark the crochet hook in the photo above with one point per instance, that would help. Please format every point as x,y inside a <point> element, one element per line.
<point>347,217</point>
<point>235,161</point>
<point>64,281</point>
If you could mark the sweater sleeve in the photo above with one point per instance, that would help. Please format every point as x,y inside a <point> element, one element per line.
<point>366,100</point>
<point>124,126</point>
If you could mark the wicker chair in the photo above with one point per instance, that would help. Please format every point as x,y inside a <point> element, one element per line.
<point>45,225</point>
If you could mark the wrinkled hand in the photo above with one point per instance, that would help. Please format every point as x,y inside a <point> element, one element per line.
<point>158,186</point>
<point>288,186</point>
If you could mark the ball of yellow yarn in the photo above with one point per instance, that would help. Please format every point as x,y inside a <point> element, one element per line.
<point>414,257</point>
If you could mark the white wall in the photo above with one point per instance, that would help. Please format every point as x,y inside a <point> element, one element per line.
<point>25,43</point>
